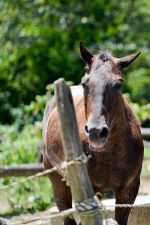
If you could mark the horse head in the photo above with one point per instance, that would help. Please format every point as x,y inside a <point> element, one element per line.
<point>102,84</point>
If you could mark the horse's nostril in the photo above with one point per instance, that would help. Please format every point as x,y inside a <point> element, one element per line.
<point>94,133</point>
<point>86,129</point>
<point>104,132</point>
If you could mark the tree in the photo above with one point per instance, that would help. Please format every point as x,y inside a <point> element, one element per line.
<point>40,39</point>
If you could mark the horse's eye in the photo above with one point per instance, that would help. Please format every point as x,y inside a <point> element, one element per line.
<point>83,85</point>
<point>85,88</point>
<point>118,85</point>
<point>85,82</point>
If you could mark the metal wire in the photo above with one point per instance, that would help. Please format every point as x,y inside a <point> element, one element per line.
<point>59,167</point>
<point>70,211</point>
<point>62,167</point>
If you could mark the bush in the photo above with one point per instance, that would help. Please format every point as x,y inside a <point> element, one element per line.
<point>22,147</point>
<point>40,43</point>
<point>31,196</point>
<point>141,111</point>
<point>19,147</point>
<point>139,85</point>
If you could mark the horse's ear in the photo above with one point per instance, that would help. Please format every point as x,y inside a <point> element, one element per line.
<point>85,54</point>
<point>126,61</point>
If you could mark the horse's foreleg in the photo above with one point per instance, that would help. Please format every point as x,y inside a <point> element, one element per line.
<point>125,195</point>
<point>62,195</point>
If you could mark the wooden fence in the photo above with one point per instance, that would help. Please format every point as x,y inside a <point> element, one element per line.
<point>31,169</point>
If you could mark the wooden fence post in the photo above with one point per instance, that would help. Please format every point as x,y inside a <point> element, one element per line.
<point>77,175</point>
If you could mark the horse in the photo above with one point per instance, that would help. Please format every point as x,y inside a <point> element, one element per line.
<point>109,132</point>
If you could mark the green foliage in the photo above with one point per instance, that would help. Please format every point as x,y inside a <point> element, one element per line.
<point>40,39</point>
<point>141,111</point>
<point>139,85</point>
<point>27,114</point>
<point>31,196</point>
<point>22,147</point>
<point>18,147</point>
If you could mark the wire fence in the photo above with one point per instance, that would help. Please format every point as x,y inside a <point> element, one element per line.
<point>71,211</point>
<point>59,167</point>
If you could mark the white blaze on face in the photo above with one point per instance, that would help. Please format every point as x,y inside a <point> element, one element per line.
<point>97,85</point>
<point>97,103</point>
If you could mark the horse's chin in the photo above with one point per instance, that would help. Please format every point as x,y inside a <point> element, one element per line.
<point>97,146</point>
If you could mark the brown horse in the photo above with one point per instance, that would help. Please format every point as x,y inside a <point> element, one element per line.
<point>108,129</point>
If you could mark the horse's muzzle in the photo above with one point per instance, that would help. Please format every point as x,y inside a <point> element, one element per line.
<point>99,133</point>
<point>97,139</point>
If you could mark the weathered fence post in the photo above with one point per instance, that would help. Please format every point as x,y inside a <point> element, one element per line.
<point>77,175</point>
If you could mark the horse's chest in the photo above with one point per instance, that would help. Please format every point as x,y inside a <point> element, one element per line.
<point>105,173</point>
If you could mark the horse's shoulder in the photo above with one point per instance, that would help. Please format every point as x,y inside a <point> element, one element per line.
<point>49,107</point>
<point>77,93</point>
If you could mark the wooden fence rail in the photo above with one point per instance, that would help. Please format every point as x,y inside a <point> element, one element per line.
<point>21,170</point>
<point>145,132</point>
<point>33,168</point>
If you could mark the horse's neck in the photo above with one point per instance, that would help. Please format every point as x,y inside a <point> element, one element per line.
<point>118,118</point>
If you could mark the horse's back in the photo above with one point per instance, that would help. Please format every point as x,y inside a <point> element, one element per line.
<point>53,149</point>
